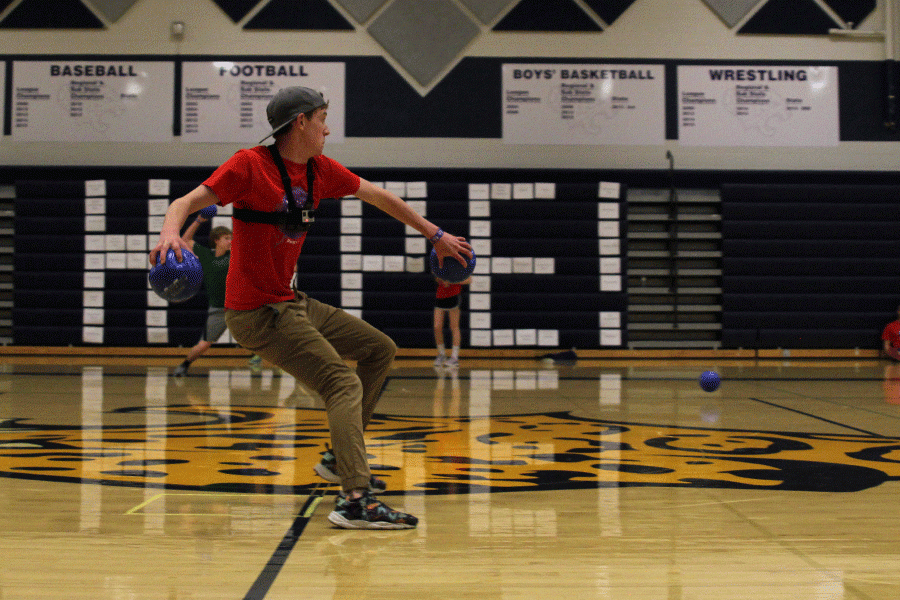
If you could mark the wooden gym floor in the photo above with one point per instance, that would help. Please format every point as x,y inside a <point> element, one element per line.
<point>615,477</point>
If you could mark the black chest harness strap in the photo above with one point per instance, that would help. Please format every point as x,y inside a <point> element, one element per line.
<point>297,219</point>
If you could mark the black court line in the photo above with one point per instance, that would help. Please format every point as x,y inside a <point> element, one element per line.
<point>266,578</point>
<point>817,417</point>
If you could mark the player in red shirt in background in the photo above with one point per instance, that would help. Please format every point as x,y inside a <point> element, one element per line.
<point>891,338</point>
<point>447,300</point>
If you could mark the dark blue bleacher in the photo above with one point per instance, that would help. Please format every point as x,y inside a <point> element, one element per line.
<point>809,266</point>
<point>49,266</point>
<point>400,304</point>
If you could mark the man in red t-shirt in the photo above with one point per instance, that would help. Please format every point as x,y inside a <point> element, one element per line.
<point>306,338</point>
<point>890,338</point>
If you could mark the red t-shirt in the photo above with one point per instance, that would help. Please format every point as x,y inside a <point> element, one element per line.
<point>891,333</point>
<point>448,291</point>
<point>262,256</point>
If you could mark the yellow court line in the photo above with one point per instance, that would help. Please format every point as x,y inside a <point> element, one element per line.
<point>134,510</point>
<point>719,502</point>
<point>179,514</point>
<point>143,504</point>
<point>312,507</point>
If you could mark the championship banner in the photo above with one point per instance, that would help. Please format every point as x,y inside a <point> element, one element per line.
<point>226,101</point>
<point>90,101</point>
<point>758,106</point>
<point>584,104</point>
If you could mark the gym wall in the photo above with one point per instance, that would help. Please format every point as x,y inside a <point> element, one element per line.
<point>423,77</point>
<point>424,104</point>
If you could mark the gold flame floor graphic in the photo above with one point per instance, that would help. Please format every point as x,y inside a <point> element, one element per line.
<point>274,449</point>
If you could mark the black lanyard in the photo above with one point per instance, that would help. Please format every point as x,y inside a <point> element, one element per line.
<point>286,180</point>
<point>297,219</point>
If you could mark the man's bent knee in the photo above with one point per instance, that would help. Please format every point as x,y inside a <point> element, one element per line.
<point>339,385</point>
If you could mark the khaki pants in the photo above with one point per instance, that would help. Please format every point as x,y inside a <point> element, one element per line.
<point>310,340</point>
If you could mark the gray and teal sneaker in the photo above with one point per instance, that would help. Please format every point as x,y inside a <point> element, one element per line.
<point>327,467</point>
<point>367,512</point>
<point>327,470</point>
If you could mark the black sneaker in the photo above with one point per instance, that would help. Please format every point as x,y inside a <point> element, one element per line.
<point>366,512</point>
<point>327,470</point>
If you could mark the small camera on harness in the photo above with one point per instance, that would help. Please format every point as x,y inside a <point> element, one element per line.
<point>293,222</point>
<point>297,220</point>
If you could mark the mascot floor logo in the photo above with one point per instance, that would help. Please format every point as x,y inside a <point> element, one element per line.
<point>274,450</point>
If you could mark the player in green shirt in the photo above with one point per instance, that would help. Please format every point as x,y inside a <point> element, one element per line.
<point>215,270</point>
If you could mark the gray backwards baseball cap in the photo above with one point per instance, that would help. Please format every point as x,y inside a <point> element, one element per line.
<point>289,102</point>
